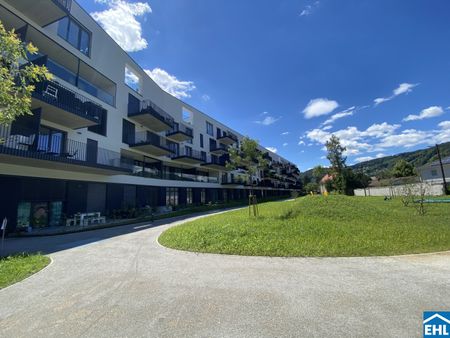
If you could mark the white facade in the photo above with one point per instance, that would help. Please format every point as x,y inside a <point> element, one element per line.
<point>92,127</point>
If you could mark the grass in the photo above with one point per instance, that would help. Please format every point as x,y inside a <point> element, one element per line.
<point>318,226</point>
<point>15,268</point>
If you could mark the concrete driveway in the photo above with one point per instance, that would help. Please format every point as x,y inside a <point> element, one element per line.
<point>121,283</point>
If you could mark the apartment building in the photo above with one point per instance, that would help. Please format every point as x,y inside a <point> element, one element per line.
<point>103,135</point>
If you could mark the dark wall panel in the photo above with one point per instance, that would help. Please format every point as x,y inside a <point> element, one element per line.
<point>96,197</point>
<point>76,197</point>
<point>114,196</point>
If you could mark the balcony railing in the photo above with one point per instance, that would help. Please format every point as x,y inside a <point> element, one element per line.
<point>190,153</point>
<point>180,128</point>
<point>152,143</point>
<point>62,97</point>
<point>58,148</point>
<point>228,135</point>
<point>157,174</point>
<point>65,4</point>
<point>219,148</point>
<point>153,109</point>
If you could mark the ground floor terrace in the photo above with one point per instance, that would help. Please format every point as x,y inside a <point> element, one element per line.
<point>37,202</point>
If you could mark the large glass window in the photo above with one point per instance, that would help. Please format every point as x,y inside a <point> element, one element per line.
<point>201,140</point>
<point>209,129</point>
<point>189,199</point>
<point>75,34</point>
<point>172,196</point>
<point>51,140</point>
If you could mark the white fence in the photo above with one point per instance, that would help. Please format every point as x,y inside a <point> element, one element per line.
<point>432,189</point>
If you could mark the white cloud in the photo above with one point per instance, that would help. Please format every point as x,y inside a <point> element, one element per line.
<point>301,143</point>
<point>319,107</point>
<point>285,144</point>
<point>356,141</point>
<point>206,97</point>
<point>168,82</point>
<point>120,22</point>
<point>272,149</point>
<point>285,133</point>
<point>403,88</point>
<point>444,125</point>
<point>426,113</point>
<point>264,113</point>
<point>363,159</point>
<point>268,120</point>
<point>327,127</point>
<point>338,116</point>
<point>309,9</point>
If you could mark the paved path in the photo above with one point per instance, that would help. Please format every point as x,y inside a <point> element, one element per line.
<point>120,282</point>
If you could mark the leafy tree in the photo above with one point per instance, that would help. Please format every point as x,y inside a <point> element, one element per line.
<point>403,169</point>
<point>311,186</point>
<point>337,160</point>
<point>319,172</point>
<point>17,76</point>
<point>249,158</point>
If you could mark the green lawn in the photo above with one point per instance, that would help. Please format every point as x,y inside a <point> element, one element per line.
<point>15,268</point>
<point>318,226</point>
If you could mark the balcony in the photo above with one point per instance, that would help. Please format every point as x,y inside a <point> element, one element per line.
<point>43,12</point>
<point>234,181</point>
<point>187,155</point>
<point>57,152</point>
<point>227,138</point>
<point>216,163</point>
<point>151,143</point>
<point>219,149</point>
<point>65,107</point>
<point>180,133</point>
<point>152,117</point>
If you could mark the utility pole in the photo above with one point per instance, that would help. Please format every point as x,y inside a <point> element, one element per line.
<point>442,169</point>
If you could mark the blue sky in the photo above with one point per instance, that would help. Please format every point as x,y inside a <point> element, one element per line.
<point>290,73</point>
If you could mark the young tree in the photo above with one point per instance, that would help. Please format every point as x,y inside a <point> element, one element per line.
<point>403,169</point>
<point>17,76</point>
<point>248,157</point>
<point>337,160</point>
<point>319,172</point>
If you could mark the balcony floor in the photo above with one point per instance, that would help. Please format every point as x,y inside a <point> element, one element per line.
<point>151,122</point>
<point>60,116</point>
<point>151,149</point>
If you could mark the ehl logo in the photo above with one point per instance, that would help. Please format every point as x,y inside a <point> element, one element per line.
<point>436,324</point>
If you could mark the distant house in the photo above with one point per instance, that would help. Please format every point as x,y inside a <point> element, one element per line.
<point>323,183</point>
<point>432,171</point>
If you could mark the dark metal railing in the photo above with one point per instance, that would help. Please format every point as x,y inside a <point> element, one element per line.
<point>65,4</point>
<point>217,160</point>
<point>235,180</point>
<point>148,137</point>
<point>149,107</point>
<point>218,147</point>
<point>62,97</point>
<point>180,128</point>
<point>57,147</point>
<point>192,153</point>
<point>228,134</point>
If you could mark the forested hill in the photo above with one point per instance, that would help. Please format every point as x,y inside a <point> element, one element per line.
<point>417,158</point>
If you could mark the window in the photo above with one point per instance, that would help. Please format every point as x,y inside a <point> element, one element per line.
<point>203,155</point>
<point>101,127</point>
<point>434,172</point>
<point>75,34</point>
<point>172,196</point>
<point>188,151</point>
<point>132,79</point>
<point>189,199</point>
<point>128,132</point>
<point>201,140</point>
<point>187,116</point>
<point>209,129</point>
<point>203,196</point>
<point>219,132</point>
